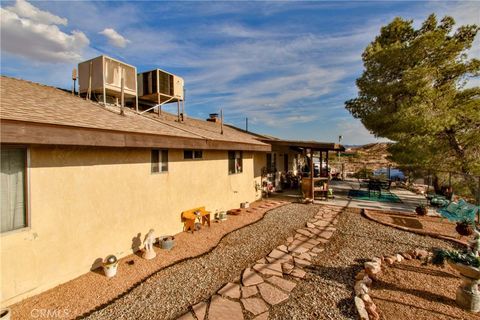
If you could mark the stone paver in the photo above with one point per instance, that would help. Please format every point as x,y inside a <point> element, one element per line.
<point>287,268</point>
<point>305,256</point>
<point>318,250</point>
<point>304,232</point>
<point>231,290</point>
<point>322,223</point>
<point>280,255</point>
<point>297,249</point>
<point>221,308</point>
<point>263,316</point>
<point>271,269</point>
<point>301,262</point>
<point>282,283</point>
<point>249,291</point>
<point>250,278</point>
<point>298,273</point>
<point>254,305</point>
<point>271,294</point>
<point>266,276</point>
<point>200,309</point>
<point>187,316</point>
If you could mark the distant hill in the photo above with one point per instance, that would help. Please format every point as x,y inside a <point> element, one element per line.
<point>372,156</point>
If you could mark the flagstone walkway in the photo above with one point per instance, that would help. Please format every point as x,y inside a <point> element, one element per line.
<point>270,280</point>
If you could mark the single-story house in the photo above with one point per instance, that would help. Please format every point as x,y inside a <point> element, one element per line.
<point>80,180</point>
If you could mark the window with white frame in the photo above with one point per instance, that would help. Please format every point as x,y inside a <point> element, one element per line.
<point>13,206</point>
<point>159,160</point>
<point>235,162</point>
<point>192,154</point>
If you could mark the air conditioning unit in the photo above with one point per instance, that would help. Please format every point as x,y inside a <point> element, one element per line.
<point>103,76</point>
<point>160,86</point>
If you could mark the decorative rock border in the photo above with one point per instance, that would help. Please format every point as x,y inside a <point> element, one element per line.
<point>366,308</point>
<point>272,278</point>
<point>366,214</point>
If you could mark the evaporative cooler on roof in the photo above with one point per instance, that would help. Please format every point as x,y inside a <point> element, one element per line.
<point>102,76</point>
<point>160,86</point>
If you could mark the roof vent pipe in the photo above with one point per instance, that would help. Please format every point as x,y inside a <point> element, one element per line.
<point>221,121</point>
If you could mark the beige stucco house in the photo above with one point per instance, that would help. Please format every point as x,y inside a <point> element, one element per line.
<point>79,181</point>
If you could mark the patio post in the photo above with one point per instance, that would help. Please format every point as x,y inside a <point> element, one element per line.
<point>311,176</point>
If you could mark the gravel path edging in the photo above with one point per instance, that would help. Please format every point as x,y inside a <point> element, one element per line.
<point>425,233</point>
<point>364,304</point>
<point>210,249</point>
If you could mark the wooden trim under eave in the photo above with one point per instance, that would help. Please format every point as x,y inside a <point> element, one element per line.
<point>19,132</point>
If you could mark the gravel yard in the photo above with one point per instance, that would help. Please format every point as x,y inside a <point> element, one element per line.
<point>170,292</point>
<point>327,290</point>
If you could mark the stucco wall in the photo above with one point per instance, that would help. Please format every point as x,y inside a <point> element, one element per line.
<point>88,203</point>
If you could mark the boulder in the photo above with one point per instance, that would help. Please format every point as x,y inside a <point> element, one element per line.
<point>362,312</point>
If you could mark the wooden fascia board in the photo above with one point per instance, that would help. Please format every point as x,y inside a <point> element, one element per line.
<point>20,132</point>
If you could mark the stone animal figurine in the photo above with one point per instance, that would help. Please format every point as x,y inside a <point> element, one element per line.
<point>474,245</point>
<point>149,253</point>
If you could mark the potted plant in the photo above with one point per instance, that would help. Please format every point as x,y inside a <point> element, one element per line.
<point>5,314</point>
<point>464,227</point>
<point>421,210</point>
<point>167,242</point>
<point>110,266</point>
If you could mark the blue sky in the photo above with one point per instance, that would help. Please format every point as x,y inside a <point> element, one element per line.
<point>287,66</point>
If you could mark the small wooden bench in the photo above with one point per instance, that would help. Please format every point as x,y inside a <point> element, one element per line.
<point>189,217</point>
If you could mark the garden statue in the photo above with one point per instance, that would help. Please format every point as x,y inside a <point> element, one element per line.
<point>474,245</point>
<point>148,242</point>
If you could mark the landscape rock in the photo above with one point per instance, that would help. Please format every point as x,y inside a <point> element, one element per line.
<point>407,256</point>
<point>362,312</point>
<point>421,254</point>
<point>360,288</point>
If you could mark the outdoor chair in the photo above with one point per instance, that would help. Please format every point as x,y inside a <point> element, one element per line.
<point>459,211</point>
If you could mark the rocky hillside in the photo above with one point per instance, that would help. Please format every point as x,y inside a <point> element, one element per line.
<point>372,156</point>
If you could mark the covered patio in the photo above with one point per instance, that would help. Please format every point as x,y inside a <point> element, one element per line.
<point>301,167</point>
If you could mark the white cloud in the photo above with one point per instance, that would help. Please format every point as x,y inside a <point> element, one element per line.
<point>114,38</point>
<point>25,10</point>
<point>34,34</point>
<point>354,132</point>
